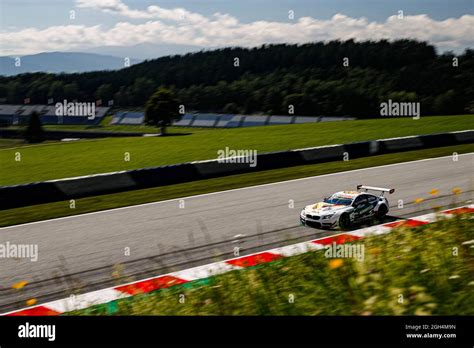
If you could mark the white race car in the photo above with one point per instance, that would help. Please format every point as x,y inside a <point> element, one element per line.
<point>346,208</point>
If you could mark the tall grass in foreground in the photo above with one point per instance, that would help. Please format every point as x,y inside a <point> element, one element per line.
<point>427,270</point>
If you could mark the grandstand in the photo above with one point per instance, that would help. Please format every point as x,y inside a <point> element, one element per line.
<point>222,120</point>
<point>128,117</point>
<point>185,121</point>
<point>19,114</point>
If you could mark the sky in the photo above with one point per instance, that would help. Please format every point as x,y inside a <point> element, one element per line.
<point>34,26</point>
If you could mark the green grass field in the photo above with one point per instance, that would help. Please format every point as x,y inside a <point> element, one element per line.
<point>6,143</point>
<point>60,160</point>
<point>90,204</point>
<point>406,272</point>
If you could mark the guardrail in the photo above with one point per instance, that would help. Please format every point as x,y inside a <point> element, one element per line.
<point>93,185</point>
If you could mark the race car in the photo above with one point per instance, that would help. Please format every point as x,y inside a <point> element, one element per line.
<point>346,208</point>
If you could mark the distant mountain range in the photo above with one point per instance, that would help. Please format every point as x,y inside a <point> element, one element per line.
<point>92,59</point>
<point>57,62</point>
<point>145,50</point>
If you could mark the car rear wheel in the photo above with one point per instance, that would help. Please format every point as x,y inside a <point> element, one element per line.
<point>381,212</point>
<point>344,221</point>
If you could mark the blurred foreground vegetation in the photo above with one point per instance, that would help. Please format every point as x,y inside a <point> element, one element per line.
<point>427,270</point>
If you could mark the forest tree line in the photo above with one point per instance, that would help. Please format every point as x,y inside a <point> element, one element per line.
<point>333,78</point>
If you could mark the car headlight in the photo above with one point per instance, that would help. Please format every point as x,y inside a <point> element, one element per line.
<point>325,217</point>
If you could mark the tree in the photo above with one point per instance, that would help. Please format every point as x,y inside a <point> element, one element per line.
<point>445,103</point>
<point>267,74</point>
<point>300,105</point>
<point>162,109</point>
<point>122,97</point>
<point>13,92</point>
<point>141,90</point>
<point>56,90</point>
<point>105,93</point>
<point>231,108</point>
<point>34,131</point>
<point>71,91</point>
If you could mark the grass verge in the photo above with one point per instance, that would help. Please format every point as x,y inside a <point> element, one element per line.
<point>92,156</point>
<point>406,272</point>
<point>96,203</point>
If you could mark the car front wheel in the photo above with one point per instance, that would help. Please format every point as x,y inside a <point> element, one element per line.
<point>344,221</point>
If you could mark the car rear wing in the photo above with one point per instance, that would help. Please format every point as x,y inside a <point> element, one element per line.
<point>372,188</point>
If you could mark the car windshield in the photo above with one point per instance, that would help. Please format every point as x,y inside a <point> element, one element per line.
<point>338,200</point>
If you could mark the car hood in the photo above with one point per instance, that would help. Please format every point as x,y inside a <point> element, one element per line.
<point>323,207</point>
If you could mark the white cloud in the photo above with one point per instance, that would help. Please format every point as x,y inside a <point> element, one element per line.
<point>180,26</point>
<point>156,12</point>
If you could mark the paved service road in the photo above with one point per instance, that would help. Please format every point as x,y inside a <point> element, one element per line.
<point>85,242</point>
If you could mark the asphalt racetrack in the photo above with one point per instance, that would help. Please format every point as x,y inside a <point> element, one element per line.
<point>87,252</point>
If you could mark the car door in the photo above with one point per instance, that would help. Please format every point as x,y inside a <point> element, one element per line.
<point>373,202</point>
<point>362,207</point>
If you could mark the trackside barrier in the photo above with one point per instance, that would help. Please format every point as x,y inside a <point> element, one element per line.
<point>93,185</point>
